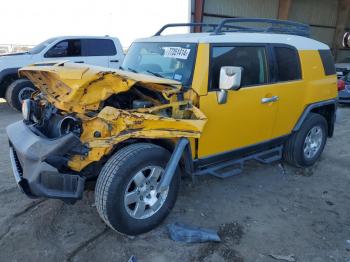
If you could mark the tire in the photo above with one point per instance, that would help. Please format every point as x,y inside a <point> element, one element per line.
<point>116,178</point>
<point>295,149</point>
<point>17,91</point>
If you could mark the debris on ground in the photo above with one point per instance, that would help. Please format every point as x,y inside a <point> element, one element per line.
<point>283,169</point>
<point>132,259</point>
<point>69,233</point>
<point>284,209</point>
<point>191,234</point>
<point>330,203</point>
<point>289,258</point>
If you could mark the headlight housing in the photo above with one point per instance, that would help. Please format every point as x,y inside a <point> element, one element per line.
<point>26,109</point>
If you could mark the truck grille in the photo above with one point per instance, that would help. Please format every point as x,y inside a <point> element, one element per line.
<point>17,163</point>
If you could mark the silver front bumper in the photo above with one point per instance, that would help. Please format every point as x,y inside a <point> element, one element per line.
<point>29,153</point>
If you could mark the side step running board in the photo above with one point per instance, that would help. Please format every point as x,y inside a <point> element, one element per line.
<point>235,167</point>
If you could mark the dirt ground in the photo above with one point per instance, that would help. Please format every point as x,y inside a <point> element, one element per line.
<point>267,210</point>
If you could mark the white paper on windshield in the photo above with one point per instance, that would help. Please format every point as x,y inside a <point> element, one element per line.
<point>176,52</point>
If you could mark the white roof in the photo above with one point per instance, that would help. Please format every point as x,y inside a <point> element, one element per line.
<point>299,42</point>
<point>82,37</point>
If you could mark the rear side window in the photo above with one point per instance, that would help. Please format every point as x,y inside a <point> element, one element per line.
<point>327,61</point>
<point>288,64</point>
<point>252,59</point>
<point>98,47</point>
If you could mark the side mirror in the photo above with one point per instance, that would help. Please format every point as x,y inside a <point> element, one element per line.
<point>230,79</point>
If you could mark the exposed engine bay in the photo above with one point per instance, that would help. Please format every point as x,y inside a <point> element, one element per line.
<point>105,108</point>
<point>54,123</point>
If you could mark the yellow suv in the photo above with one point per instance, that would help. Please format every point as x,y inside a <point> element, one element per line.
<point>189,104</point>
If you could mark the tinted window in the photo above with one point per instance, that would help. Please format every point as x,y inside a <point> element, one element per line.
<point>252,59</point>
<point>98,47</point>
<point>288,64</point>
<point>66,48</point>
<point>327,61</point>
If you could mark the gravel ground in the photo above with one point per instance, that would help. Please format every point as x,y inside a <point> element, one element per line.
<point>267,210</point>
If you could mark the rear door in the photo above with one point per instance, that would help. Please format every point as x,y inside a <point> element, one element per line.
<point>291,87</point>
<point>100,52</point>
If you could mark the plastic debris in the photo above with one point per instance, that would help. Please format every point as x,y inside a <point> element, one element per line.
<point>283,169</point>
<point>190,234</point>
<point>289,258</point>
<point>132,259</point>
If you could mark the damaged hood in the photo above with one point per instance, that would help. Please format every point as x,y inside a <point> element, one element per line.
<point>79,88</point>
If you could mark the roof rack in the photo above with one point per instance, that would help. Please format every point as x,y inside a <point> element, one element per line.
<point>201,25</point>
<point>275,26</point>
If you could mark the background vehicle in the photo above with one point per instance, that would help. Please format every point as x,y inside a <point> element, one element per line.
<point>343,67</point>
<point>189,104</point>
<point>344,89</point>
<point>100,51</point>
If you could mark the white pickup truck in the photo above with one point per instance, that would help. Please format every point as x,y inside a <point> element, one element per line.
<point>100,51</point>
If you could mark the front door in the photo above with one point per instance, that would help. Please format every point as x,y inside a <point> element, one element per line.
<point>249,114</point>
<point>68,49</point>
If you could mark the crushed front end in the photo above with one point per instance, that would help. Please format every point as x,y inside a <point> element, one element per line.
<point>82,114</point>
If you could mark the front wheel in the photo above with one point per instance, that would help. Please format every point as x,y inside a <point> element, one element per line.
<point>126,194</point>
<point>18,91</point>
<point>305,147</point>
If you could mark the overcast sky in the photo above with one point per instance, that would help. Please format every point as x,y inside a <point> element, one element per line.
<point>32,21</point>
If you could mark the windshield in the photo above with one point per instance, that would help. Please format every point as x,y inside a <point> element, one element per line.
<point>40,47</point>
<point>168,60</point>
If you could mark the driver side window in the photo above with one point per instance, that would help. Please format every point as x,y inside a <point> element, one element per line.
<point>65,48</point>
<point>253,60</point>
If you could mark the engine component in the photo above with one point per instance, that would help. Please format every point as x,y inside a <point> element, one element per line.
<point>141,104</point>
<point>68,124</point>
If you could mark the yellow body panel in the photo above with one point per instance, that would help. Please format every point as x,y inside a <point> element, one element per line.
<point>295,96</point>
<point>201,70</point>
<point>243,120</point>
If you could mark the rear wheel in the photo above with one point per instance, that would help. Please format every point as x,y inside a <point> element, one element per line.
<point>126,194</point>
<point>18,91</point>
<point>304,147</point>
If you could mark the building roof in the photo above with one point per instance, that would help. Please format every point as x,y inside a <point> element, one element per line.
<point>299,42</point>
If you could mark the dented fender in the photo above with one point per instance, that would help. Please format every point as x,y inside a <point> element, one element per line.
<point>115,126</point>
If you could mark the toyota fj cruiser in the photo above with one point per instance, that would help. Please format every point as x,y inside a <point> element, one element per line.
<point>101,51</point>
<point>191,104</point>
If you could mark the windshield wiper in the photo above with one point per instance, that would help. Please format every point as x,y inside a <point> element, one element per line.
<point>154,73</point>
<point>132,70</point>
<point>129,69</point>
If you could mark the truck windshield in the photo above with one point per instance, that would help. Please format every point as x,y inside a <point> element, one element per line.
<point>40,47</point>
<point>168,60</point>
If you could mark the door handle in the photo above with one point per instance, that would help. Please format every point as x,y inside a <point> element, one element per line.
<point>114,61</point>
<point>80,62</point>
<point>266,100</point>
